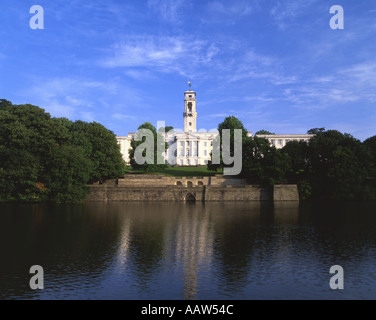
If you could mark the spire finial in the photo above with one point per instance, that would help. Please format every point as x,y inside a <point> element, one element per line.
<point>190,84</point>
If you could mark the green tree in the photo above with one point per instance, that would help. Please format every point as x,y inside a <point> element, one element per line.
<point>315,130</point>
<point>370,145</point>
<point>338,165</point>
<point>231,123</point>
<point>44,158</point>
<point>33,147</point>
<point>264,164</point>
<point>68,172</point>
<point>263,132</point>
<point>297,151</point>
<point>19,174</point>
<point>158,137</point>
<point>101,146</point>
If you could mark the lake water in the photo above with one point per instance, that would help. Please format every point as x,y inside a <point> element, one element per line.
<point>188,250</point>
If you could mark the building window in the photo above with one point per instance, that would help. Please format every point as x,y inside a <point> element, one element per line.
<point>273,142</point>
<point>190,123</point>
<point>205,152</point>
<point>205,144</point>
<point>280,142</point>
<point>182,143</point>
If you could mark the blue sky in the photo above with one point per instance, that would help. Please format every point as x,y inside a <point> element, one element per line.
<point>276,65</point>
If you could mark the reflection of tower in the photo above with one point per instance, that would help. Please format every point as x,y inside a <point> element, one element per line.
<point>190,114</point>
<point>194,246</point>
<point>123,246</point>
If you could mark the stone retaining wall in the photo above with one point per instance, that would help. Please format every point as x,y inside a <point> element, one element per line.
<point>119,192</point>
<point>161,180</point>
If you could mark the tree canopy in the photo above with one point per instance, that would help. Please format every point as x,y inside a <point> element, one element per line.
<point>332,165</point>
<point>229,123</point>
<point>156,160</point>
<point>264,132</point>
<point>52,159</point>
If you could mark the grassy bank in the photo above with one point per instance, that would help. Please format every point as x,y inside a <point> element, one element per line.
<point>178,171</point>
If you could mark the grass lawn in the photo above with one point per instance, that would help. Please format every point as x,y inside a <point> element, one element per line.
<point>201,171</point>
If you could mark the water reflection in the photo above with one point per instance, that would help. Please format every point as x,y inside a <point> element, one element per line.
<point>194,245</point>
<point>188,250</point>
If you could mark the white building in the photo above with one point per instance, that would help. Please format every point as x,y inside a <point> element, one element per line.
<point>192,147</point>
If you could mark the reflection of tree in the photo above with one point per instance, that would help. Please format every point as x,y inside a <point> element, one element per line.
<point>72,242</point>
<point>341,230</point>
<point>146,243</point>
<point>236,236</point>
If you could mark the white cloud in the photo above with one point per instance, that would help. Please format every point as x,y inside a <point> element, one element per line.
<point>168,10</point>
<point>353,84</point>
<point>87,116</point>
<point>285,13</point>
<point>140,74</point>
<point>146,52</point>
<point>81,98</point>
<point>365,73</point>
<point>257,66</point>
<point>163,54</point>
<point>217,115</point>
<point>233,8</point>
<point>122,116</point>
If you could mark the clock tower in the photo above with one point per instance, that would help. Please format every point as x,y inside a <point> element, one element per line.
<point>190,114</point>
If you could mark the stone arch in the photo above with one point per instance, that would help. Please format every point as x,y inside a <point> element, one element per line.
<point>179,184</point>
<point>189,184</point>
<point>200,183</point>
<point>190,197</point>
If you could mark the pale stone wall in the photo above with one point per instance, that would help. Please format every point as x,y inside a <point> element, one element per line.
<point>176,194</point>
<point>198,193</point>
<point>286,192</point>
<point>138,193</point>
<point>237,193</point>
<point>163,181</point>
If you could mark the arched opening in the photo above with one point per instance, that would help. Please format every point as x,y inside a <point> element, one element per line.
<point>190,197</point>
<point>200,183</point>
<point>179,184</point>
<point>189,184</point>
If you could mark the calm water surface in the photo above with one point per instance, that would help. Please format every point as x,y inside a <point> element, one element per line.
<point>188,251</point>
